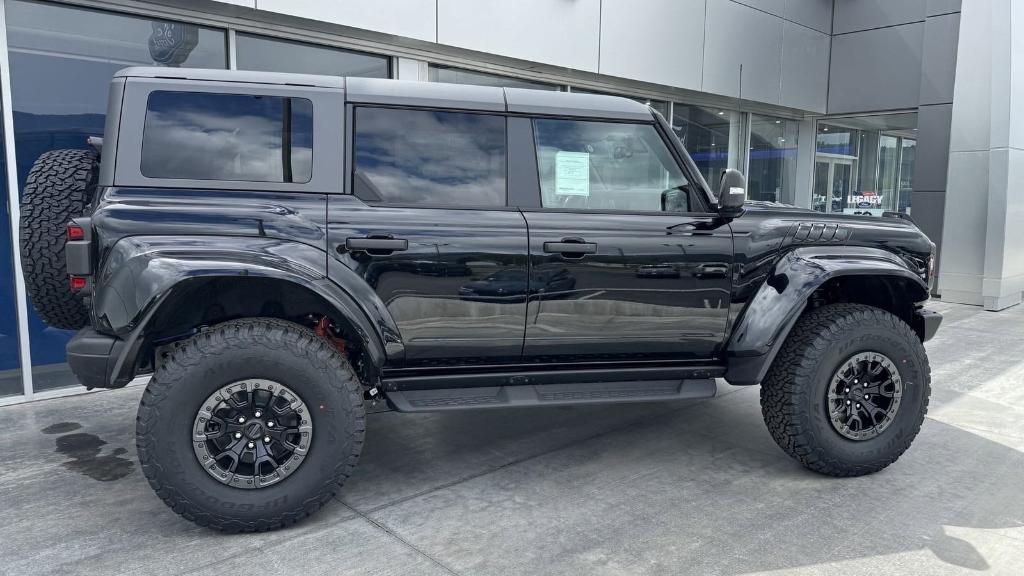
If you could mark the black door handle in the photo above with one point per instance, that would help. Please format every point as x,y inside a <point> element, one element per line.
<point>377,245</point>
<point>571,247</point>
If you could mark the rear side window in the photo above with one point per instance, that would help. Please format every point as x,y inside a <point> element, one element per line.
<point>429,157</point>
<point>201,136</point>
<point>608,166</point>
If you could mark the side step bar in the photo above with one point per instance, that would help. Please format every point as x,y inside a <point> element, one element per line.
<point>549,395</point>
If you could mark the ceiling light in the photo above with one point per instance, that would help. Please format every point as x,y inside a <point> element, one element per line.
<point>721,113</point>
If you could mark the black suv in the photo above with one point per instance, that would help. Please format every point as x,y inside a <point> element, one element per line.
<point>281,251</point>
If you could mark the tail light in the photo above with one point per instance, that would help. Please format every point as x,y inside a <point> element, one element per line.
<point>75,232</point>
<point>77,283</point>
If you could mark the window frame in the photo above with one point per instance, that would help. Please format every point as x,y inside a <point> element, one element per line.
<point>328,108</point>
<point>350,157</point>
<point>281,99</point>
<point>698,185</point>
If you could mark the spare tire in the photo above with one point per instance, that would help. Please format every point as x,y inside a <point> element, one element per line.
<point>58,188</point>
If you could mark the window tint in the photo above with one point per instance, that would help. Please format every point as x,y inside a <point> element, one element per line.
<point>199,136</point>
<point>427,157</point>
<point>607,166</point>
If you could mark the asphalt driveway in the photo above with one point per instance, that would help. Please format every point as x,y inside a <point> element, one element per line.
<point>687,487</point>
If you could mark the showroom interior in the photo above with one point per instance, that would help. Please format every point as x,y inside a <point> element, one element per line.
<point>830,105</point>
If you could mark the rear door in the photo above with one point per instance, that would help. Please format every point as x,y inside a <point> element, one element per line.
<point>428,229</point>
<point>626,263</point>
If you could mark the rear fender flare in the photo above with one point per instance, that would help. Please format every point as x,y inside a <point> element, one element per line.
<point>140,273</point>
<point>769,316</point>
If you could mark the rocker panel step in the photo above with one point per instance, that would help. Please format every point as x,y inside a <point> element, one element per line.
<point>549,395</point>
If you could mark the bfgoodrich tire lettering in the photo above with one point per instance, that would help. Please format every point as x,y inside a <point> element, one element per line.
<point>59,186</point>
<point>795,391</point>
<point>260,348</point>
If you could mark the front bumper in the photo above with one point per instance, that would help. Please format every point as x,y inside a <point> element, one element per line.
<point>927,322</point>
<point>96,359</point>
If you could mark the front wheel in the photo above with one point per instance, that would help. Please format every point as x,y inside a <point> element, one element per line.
<point>848,391</point>
<point>250,425</point>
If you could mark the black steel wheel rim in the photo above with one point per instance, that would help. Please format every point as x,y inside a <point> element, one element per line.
<point>864,395</point>
<point>252,433</point>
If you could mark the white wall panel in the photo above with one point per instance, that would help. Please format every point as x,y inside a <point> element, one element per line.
<point>876,69</point>
<point>737,34</point>
<point>663,43</point>
<point>410,18</point>
<point>854,15</point>
<point>557,32</point>
<point>815,14</point>
<point>805,57</point>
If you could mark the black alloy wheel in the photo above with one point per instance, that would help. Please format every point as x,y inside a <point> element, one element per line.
<point>252,433</point>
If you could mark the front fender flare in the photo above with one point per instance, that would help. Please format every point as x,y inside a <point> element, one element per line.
<point>767,319</point>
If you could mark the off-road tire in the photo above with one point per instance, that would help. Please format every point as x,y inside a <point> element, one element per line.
<point>189,371</point>
<point>794,392</point>
<point>58,188</point>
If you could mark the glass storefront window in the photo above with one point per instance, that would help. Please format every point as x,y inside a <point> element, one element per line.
<point>436,73</point>
<point>711,136</point>
<point>771,171</point>
<point>276,55</point>
<point>61,62</point>
<point>10,363</point>
<point>865,165</point>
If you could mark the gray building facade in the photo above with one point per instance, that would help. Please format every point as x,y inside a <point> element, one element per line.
<point>856,106</point>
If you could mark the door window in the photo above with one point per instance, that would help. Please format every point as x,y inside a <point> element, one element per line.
<point>424,157</point>
<point>608,166</point>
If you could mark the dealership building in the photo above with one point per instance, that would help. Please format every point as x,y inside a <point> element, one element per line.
<point>853,106</point>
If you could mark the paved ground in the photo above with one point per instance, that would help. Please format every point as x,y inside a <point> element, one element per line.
<point>694,487</point>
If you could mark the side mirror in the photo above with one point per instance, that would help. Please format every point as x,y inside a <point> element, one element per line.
<point>732,193</point>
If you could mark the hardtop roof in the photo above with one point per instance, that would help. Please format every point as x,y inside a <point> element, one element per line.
<point>426,94</point>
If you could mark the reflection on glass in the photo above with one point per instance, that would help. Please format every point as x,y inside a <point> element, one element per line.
<point>707,133</point>
<point>228,137</point>
<point>865,165</point>
<point>606,166</point>
<point>10,363</point>
<point>275,55</point>
<point>424,157</point>
<point>61,62</point>
<point>771,172</point>
<point>460,76</point>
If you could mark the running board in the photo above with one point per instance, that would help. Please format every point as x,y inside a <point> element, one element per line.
<point>549,395</point>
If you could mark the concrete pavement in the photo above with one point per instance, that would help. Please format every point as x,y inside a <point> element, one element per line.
<point>675,488</point>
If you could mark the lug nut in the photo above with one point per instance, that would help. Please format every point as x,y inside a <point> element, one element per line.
<point>855,381</point>
<point>252,445</point>
<point>858,404</point>
<point>241,419</point>
<point>867,396</point>
<point>270,424</point>
<point>266,439</point>
<point>847,390</point>
<point>238,434</point>
<point>847,402</point>
<point>258,414</point>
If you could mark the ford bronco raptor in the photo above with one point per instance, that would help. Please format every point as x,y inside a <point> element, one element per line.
<point>281,251</point>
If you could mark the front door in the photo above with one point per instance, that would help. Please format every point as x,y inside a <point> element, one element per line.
<point>428,229</point>
<point>626,264</point>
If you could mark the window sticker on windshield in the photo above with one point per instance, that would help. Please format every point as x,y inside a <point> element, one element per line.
<point>572,173</point>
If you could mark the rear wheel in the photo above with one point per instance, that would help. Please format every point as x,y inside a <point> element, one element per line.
<point>58,188</point>
<point>251,425</point>
<point>848,391</point>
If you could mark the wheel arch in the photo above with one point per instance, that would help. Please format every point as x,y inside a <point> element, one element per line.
<point>810,277</point>
<point>152,292</point>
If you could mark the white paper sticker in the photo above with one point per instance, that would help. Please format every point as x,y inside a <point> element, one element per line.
<point>572,173</point>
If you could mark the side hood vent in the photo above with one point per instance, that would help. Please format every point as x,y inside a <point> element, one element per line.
<point>817,233</point>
